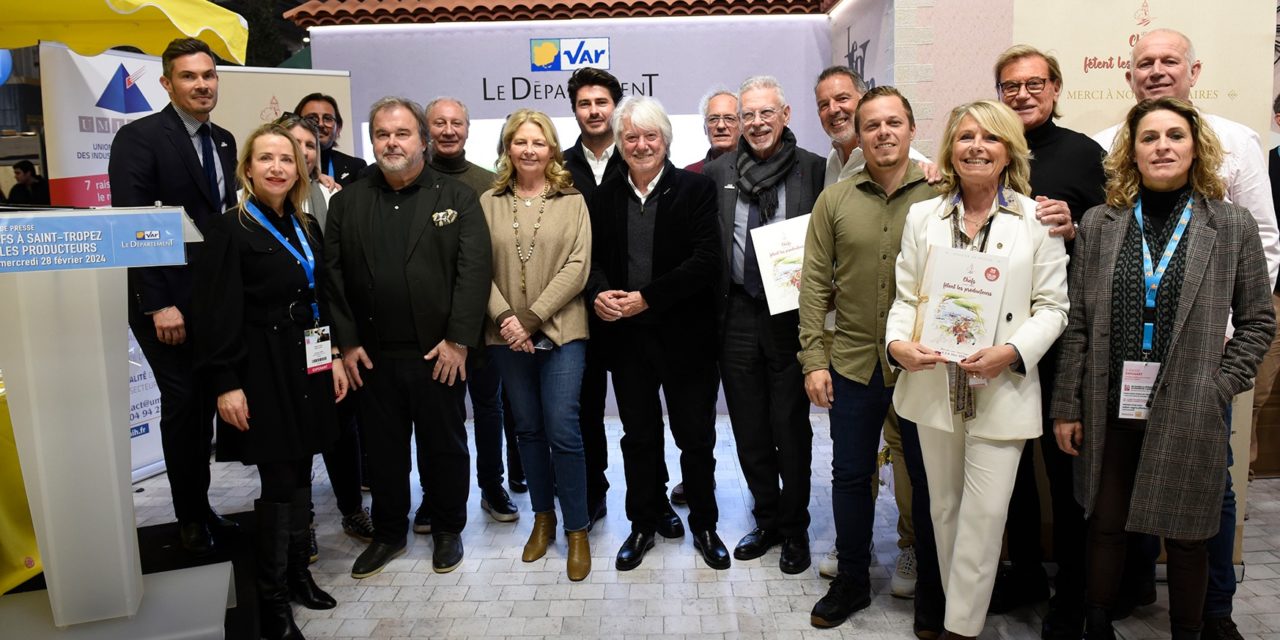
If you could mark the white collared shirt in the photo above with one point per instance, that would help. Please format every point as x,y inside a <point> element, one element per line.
<point>598,164</point>
<point>648,190</point>
<point>193,127</point>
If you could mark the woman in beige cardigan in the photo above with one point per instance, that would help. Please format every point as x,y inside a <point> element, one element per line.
<point>538,329</point>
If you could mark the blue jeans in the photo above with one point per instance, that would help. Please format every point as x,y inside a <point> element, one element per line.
<point>856,418</point>
<point>543,388</point>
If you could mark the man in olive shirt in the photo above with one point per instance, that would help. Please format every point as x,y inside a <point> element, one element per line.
<point>850,252</point>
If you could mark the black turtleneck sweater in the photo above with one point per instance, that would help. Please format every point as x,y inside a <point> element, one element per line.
<point>1066,165</point>
<point>470,174</point>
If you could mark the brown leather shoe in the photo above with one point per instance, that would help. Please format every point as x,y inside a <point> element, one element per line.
<point>579,564</point>
<point>544,531</point>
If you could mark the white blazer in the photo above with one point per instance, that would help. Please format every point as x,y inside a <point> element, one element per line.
<point>1033,313</point>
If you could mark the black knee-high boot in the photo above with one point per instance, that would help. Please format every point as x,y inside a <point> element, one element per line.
<point>302,587</point>
<point>275,614</point>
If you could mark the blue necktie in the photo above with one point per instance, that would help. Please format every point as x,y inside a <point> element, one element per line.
<point>751,281</point>
<point>210,168</point>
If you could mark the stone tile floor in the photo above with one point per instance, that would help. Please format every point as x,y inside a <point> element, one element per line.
<point>673,595</point>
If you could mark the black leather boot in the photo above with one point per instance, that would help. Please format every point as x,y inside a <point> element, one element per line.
<point>1097,624</point>
<point>275,615</point>
<point>302,587</point>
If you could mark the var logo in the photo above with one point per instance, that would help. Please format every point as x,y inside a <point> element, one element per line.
<point>568,54</point>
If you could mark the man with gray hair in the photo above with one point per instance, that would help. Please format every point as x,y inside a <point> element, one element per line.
<point>720,122</point>
<point>837,92</point>
<point>767,179</point>
<point>654,262</point>
<point>1164,64</point>
<point>409,273</point>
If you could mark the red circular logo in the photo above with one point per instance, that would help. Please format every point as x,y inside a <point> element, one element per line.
<point>992,274</point>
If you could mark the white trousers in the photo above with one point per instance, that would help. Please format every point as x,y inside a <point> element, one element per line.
<point>970,482</point>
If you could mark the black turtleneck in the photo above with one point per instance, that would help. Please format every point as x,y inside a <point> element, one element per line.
<point>1159,209</point>
<point>472,175</point>
<point>1066,165</point>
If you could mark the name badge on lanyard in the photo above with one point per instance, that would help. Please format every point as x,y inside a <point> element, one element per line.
<point>1138,378</point>
<point>316,340</point>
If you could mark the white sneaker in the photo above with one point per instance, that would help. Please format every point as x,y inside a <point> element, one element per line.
<point>903,582</point>
<point>829,565</point>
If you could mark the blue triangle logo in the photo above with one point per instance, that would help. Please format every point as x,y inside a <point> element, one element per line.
<point>122,94</point>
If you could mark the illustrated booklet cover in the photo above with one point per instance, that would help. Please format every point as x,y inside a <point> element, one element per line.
<point>959,304</point>
<point>780,255</point>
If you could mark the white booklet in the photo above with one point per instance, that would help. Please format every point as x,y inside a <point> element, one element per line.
<point>960,295</point>
<point>780,255</point>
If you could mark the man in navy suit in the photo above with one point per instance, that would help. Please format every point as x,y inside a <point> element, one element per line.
<point>180,158</point>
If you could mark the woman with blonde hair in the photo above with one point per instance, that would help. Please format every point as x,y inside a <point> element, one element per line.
<point>261,346</point>
<point>1144,378</point>
<point>538,329</point>
<point>975,415</point>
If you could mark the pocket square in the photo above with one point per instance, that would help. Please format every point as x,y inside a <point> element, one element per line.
<point>441,218</point>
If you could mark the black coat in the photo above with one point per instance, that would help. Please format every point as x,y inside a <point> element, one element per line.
<point>346,169</point>
<point>686,260</point>
<point>248,337</point>
<point>152,159</point>
<point>448,267</point>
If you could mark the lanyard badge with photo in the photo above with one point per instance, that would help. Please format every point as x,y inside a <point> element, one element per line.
<point>316,340</point>
<point>1138,378</point>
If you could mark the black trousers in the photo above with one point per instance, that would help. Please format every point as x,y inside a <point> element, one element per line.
<point>342,460</point>
<point>1023,525</point>
<point>186,419</point>
<point>1188,560</point>
<point>399,397</point>
<point>492,421</point>
<point>764,388</point>
<point>595,447</point>
<point>644,367</point>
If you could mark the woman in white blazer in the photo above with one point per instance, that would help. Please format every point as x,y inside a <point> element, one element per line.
<point>975,415</point>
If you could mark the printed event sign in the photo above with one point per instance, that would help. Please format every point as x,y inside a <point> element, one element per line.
<point>780,256</point>
<point>64,240</point>
<point>960,297</point>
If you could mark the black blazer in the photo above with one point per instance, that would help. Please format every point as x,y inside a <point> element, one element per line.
<point>346,169</point>
<point>686,259</point>
<point>448,266</point>
<point>575,160</point>
<point>803,185</point>
<point>152,159</point>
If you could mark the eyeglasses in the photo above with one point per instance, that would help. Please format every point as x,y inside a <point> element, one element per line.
<point>765,115</point>
<point>317,118</point>
<point>1034,87</point>
<point>729,120</point>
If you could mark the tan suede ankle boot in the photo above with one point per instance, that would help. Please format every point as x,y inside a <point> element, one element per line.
<point>579,564</point>
<point>544,531</point>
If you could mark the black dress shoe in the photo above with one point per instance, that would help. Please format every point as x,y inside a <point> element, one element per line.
<point>755,544</point>
<point>447,554</point>
<point>597,513</point>
<point>669,525</point>
<point>795,555</point>
<point>713,551</point>
<point>677,495</point>
<point>375,558</point>
<point>1018,586</point>
<point>196,538</point>
<point>518,485</point>
<point>1063,622</point>
<point>221,525</point>
<point>633,549</point>
<point>844,597</point>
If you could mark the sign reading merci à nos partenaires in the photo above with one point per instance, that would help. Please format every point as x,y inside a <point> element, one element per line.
<point>66,239</point>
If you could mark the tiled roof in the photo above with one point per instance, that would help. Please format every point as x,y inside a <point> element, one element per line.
<point>348,12</point>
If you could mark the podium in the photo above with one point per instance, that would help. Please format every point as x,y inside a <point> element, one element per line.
<point>63,351</point>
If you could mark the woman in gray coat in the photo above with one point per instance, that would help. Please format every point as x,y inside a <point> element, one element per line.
<point>1144,376</point>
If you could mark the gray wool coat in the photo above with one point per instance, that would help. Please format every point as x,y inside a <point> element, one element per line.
<point>1177,492</point>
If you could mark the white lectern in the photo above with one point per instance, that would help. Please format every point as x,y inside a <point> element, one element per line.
<point>63,352</point>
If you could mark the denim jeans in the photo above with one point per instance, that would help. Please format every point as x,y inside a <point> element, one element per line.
<point>856,418</point>
<point>544,388</point>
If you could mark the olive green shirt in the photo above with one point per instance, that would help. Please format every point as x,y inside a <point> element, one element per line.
<point>850,252</point>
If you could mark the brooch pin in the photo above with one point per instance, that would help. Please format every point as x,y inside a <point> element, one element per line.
<point>441,218</point>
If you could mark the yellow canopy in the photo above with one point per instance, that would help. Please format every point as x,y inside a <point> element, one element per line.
<point>90,27</point>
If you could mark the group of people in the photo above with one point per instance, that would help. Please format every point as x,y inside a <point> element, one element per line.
<point>1136,304</point>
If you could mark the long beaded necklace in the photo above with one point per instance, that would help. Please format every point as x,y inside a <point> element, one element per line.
<point>525,256</point>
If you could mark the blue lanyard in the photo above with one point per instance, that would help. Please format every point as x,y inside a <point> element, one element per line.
<point>330,169</point>
<point>308,261</point>
<point>1153,275</point>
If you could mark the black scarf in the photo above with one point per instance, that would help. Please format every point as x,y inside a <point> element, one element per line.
<point>759,180</point>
